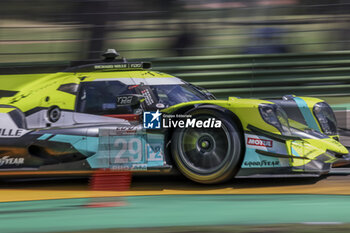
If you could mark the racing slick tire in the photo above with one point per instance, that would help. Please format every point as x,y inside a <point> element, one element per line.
<point>208,155</point>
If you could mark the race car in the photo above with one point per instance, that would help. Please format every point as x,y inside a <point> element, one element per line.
<point>116,114</point>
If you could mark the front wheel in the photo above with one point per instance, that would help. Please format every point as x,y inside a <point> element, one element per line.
<point>208,155</point>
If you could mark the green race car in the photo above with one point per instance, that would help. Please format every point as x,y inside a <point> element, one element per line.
<point>122,115</point>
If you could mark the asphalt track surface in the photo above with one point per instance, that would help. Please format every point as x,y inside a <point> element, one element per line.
<point>167,201</point>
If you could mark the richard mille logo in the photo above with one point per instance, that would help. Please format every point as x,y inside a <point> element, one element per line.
<point>10,132</point>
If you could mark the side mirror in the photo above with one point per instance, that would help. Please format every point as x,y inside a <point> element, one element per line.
<point>210,95</point>
<point>129,100</point>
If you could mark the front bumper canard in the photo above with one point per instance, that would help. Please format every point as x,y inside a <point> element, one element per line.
<point>312,155</point>
<point>315,154</point>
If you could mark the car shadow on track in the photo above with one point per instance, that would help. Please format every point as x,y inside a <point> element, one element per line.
<point>148,183</point>
<point>155,183</point>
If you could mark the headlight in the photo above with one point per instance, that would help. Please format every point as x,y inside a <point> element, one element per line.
<point>276,116</point>
<point>325,117</point>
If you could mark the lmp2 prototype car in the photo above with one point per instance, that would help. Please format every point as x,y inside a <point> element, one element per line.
<point>121,115</point>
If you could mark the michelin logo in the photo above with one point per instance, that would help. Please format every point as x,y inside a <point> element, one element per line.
<point>152,120</point>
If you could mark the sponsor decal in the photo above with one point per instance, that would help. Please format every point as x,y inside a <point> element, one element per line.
<point>259,142</point>
<point>133,167</point>
<point>154,153</point>
<point>155,120</point>
<point>148,97</point>
<point>126,130</point>
<point>7,160</point>
<point>11,132</point>
<point>262,163</point>
<point>119,66</point>
<point>124,100</point>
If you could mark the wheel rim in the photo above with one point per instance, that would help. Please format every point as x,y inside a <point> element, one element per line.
<point>205,151</point>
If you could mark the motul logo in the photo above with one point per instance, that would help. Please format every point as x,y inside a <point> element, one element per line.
<point>259,142</point>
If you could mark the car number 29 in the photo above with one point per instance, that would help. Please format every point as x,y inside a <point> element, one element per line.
<point>128,150</point>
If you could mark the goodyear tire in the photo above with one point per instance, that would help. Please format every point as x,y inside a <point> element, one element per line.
<point>208,155</point>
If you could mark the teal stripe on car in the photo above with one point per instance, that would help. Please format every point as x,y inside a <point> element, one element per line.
<point>295,153</point>
<point>87,146</point>
<point>307,114</point>
<point>44,136</point>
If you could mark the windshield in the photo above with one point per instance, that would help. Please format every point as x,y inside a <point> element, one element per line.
<point>100,97</point>
<point>175,94</point>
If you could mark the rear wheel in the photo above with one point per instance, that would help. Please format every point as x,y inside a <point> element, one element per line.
<point>208,155</point>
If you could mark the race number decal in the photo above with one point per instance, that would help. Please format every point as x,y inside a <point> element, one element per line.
<point>136,152</point>
<point>127,150</point>
<point>154,152</point>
